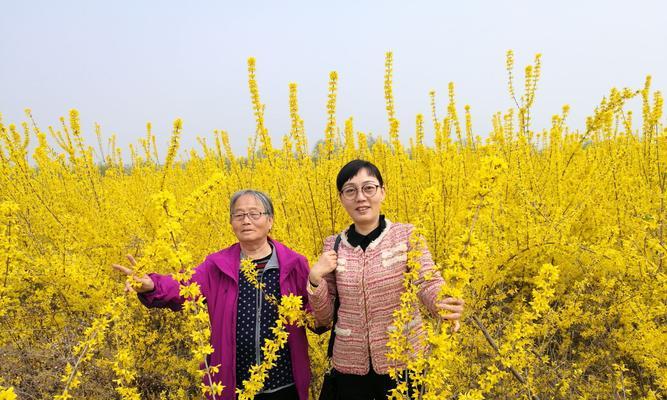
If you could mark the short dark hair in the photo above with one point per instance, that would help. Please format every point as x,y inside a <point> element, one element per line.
<point>352,168</point>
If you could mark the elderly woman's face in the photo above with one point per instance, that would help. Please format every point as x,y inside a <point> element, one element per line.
<point>364,208</point>
<point>247,229</point>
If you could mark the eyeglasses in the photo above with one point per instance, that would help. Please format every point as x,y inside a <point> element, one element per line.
<point>253,215</point>
<point>368,189</point>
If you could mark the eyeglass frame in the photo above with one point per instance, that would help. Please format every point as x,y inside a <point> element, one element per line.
<point>357,189</point>
<point>240,216</point>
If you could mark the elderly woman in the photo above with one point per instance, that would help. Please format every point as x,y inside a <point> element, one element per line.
<point>239,314</point>
<point>366,274</point>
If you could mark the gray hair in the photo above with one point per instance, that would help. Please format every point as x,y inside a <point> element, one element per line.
<point>260,196</point>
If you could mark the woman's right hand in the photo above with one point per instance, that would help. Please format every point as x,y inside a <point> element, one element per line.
<point>146,282</point>
<point>325,265</point>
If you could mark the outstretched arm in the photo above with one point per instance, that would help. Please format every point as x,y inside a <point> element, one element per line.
<point>157,290</point>
<point>430,283</point>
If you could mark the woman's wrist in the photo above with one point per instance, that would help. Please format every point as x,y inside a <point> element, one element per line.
<point>314,282</point>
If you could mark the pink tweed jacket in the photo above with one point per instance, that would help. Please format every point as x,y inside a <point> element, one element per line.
<point>369,285</point>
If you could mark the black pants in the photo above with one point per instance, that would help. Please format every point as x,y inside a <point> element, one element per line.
<point>289,393</point>
<point>364,387</point>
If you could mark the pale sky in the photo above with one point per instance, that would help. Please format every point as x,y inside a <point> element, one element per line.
<point>124,63</point>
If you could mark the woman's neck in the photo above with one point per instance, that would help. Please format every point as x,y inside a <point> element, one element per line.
<point>365,229</point>
<point>256,250</point>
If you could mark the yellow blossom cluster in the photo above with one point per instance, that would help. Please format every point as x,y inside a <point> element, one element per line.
<point>555,238</point>
<point>7,393</point>
<point>290,312</point>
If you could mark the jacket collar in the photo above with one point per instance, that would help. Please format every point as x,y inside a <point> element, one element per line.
<point>228,260</point>
<point>273,260</point>
<point>375,242</point>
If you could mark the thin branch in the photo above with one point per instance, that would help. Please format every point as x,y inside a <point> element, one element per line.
<point>493,344</point>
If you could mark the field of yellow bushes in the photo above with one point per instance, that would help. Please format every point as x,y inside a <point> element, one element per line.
<point>554,236</point>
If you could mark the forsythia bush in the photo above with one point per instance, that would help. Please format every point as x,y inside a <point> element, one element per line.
<point>554,237</point>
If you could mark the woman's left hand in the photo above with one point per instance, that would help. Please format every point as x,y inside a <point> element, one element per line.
<point>453,308</point>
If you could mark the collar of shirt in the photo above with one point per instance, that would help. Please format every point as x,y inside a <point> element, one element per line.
<point>356,239</point>
<point>270,261</point>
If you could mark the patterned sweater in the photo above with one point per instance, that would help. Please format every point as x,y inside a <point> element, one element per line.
<point>369,285</point>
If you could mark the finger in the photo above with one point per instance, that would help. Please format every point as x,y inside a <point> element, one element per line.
<point>449,307</point>
<point>446,310</point>
<point>456,325</point>
<point>131,259</point>
<point>122,269</point>
<point>451,316</point>
<point>128,287</point>
<point>454,300</point>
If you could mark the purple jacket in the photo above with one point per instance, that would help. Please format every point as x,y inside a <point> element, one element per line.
<point>218,278</point>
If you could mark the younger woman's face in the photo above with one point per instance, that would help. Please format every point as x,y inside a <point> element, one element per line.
<point>363,208</point>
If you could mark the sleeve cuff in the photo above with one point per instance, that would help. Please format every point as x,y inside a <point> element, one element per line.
<point>318,295</point>
<point>310,288</point>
